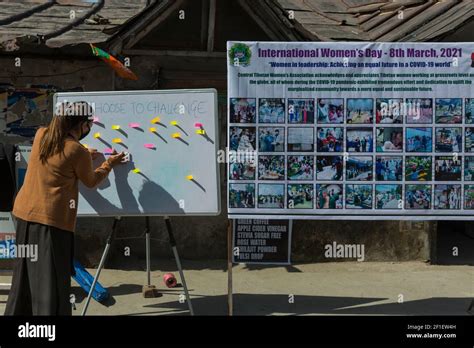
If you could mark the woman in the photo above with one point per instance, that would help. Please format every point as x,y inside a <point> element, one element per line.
<point>45,210</point>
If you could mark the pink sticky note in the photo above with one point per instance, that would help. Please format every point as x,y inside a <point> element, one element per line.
<point>108,150</point>
<point>134,125</point>
<point>150,146</point>
<point>95,119</point>
<point>198,125</point>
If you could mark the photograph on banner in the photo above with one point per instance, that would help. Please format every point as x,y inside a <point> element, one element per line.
<point>271,167</point>
<point>389,139</point>
<point>271,196</point>
<point>359,140</point>
<point>360,110</point>
<point>469,110</point>
<point>242,139</point>
<point>300,167</point>
<point>419,139</point>
<point>469,139</point>
<point>330,139</point>
<point>388,196</point>
<point>389,110</point>
<point>271,110</point>
<point>469,168</point>
<point>330,110</point>
<point>448,139</point>
<point>241,195</point>
<point>359,196</point>
<point>243,110</point>
<point>418,168</point>
<point>359,168</point>
<point>301,111</point>
<point>447,196</point>
<point>417,196</point>
<point>388,168</point>
<point>329,168</point>
<point>300,139</point>
<point>448,168</point>
<point>329,196</point>
<point>419,110</point>
<point>271,139</point>
<point>242,170</point>
<point>468,196</point>
<point>448,110</point>
<point>300,196</point>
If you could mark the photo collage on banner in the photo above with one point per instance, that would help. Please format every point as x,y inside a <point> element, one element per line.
<point>326,155</point>
<point>334,153</point>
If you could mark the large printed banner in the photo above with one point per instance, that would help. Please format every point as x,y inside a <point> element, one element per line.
<point>321,130</point>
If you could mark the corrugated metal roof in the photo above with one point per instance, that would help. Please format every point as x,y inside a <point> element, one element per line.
<point>63,22</point>
<point>377,20</point>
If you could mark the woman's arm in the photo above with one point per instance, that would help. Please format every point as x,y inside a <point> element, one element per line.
<point>82,164</point>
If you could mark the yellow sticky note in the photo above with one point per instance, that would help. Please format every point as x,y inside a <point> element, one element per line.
<point>136,170</point>
<point>97,135</point>
<point>189,177</point>
<point>152,129</point>
<point>155,120</point>
<point>115,127</point>
<point>174,123</point>
<point>116,140</point>
<point>200,131</point>
<point>176,135</point>
<point>85,145</point>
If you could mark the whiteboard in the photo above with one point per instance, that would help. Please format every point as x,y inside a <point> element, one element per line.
<point>172,169</point>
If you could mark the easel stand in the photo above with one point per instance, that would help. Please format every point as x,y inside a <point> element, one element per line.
<point>148,261</point>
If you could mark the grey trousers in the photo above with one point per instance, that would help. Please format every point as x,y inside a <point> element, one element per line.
<point>42,287</point>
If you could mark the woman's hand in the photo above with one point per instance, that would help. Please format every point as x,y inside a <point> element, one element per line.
<point>94,153</point>
<point>116,158</point>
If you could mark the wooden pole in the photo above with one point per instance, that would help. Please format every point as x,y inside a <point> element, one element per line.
<point>230,307</point>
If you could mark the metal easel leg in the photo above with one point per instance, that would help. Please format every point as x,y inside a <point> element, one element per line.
<point>101,264</point>
<point>148,290</point>
<point>178,263</point>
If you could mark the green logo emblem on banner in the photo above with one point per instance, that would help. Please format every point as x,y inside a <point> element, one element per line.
<point>239,54</point>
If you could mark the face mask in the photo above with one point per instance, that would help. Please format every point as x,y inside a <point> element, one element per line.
<point>83,135</point>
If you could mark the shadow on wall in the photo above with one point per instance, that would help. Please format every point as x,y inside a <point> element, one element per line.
<point>152,197</point>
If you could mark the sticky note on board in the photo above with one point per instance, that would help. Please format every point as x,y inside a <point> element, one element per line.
<point>200,131</point>
<point>174,123</point>
<point>136,170</point>
<point>152,129</point>
<point>97,135</point>
<point>189,177</point>
<point>85,145</point>
<point>95,119</point>
<point>108,151</point>
<point>176,135</point>
<point>155,120</point>
<point>117,140</point>
<point>198,125</point>
<point>150,146</point>
<point>115,127</point>
<point>134,125</point>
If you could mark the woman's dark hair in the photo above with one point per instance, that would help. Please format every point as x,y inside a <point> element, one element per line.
<point>67,116</point>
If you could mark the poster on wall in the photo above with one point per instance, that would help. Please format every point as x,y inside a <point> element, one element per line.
<point>7,236</point>
<point>262,241</point>
<point>350,130</point>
